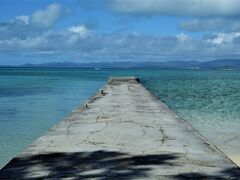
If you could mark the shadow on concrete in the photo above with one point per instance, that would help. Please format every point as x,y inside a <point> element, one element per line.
<point>97,164</point>
<point>231,173</point>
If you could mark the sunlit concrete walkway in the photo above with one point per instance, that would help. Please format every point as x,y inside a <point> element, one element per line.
<point>122,132</point>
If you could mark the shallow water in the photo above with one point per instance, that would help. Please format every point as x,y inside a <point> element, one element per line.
<point>34,99</point>
<point>209,100</point>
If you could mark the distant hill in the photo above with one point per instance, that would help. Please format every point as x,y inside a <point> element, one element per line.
<point>215,64</point>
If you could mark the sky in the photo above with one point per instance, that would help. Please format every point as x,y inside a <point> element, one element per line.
<point>41,31</point>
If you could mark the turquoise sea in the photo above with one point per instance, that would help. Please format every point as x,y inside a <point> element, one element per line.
<point>34,99</point>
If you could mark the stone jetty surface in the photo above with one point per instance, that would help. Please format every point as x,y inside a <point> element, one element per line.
<point>123,132</point>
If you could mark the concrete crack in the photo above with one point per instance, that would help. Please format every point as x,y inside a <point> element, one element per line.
<point>92,133</point>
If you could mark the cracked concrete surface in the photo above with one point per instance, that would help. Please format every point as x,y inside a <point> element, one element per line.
<point>124,132</point>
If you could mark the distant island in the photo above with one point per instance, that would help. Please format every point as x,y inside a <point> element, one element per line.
<point>227,64</point>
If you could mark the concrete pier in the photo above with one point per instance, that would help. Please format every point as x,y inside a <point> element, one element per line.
<point>123,132</point>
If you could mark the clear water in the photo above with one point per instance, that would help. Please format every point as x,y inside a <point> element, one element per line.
<point>208,100</point>
<point>34,99</point>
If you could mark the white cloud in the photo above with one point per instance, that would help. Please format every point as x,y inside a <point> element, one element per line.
<point>81,30</point>
<point>182,37</point>
<point>23,18</point>
<point>197,8</point>
<point>223,38</point>
<point>47,17</point>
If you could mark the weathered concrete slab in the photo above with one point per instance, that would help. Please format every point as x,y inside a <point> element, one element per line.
<point>123,132</point>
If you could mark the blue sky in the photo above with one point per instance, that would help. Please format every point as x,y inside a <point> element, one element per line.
<point>40,31</point>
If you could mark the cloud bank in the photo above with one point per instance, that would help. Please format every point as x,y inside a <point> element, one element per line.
<point>209,15</point>
<point>33,36</point>
<point>193,8</point>
<point>129,46</point>
<point>215,24</point>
